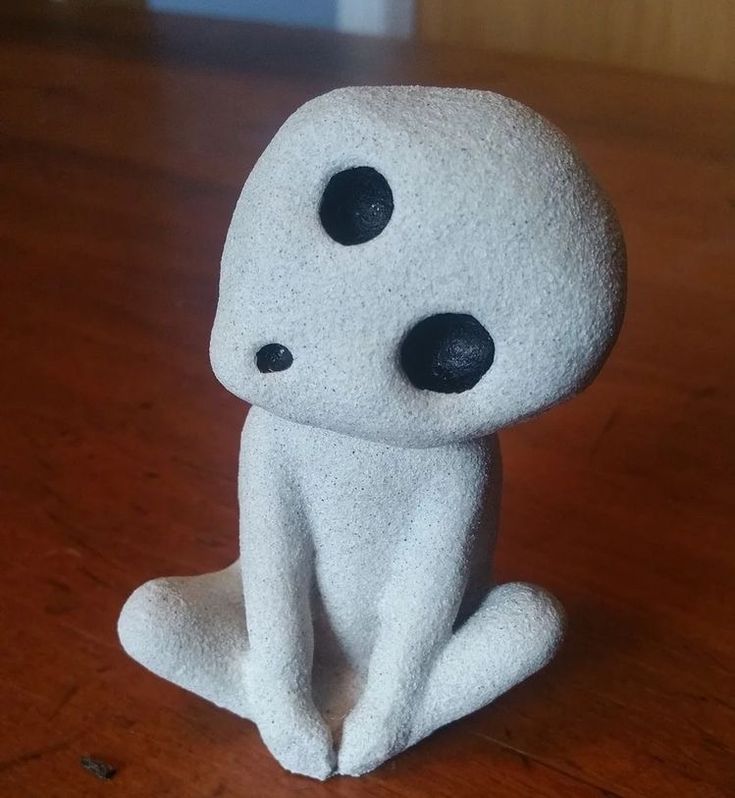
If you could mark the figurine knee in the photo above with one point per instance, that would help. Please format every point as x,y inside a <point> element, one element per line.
<point>529,621</point>
<point>515,632</point>
<point>146,613</point>
<point>191,631</point>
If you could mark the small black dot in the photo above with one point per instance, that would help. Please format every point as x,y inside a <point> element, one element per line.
<point>356,205</point>
<point>273,357</point>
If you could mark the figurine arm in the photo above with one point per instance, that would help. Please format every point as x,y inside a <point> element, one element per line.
<point>417,612</point>
<point>277,566</point>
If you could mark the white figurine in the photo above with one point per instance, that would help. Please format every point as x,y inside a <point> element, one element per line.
<point>408,270</point>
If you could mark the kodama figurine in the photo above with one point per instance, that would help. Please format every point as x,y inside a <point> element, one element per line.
<point>408,270</point>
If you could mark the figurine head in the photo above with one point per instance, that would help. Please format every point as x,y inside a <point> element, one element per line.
<point>417,266</point>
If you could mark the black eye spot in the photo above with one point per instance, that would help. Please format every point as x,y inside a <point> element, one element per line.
<point>273,357</point>
<point>356,205</point>
<point>447,353</point>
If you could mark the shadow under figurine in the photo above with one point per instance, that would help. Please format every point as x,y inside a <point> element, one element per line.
<point>408,270</point>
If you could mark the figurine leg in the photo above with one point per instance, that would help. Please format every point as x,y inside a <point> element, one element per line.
<point>191,631</point>
<point>513,633</point>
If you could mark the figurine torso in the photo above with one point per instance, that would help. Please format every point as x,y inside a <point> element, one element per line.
<point>358,500</point>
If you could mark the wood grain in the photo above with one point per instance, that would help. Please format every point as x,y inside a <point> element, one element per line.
<point>669,37</point>
<point>125,139</point>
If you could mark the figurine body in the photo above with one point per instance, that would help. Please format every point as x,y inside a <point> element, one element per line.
<point>408,270</point>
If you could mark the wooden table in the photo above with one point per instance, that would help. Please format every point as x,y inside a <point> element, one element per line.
<point>125,140</point>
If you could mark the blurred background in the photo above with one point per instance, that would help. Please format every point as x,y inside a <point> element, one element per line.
<point>689,38</point>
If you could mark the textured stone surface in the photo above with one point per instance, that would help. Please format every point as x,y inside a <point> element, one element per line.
<point>364,615</point>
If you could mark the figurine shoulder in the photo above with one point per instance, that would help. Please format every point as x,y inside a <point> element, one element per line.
<point>265,437</point>
<point>261,425</point>
<point>463,464</point>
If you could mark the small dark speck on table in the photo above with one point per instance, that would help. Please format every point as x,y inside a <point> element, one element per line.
<point>98,767</point>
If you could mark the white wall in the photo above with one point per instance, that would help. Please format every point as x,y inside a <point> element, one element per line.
<point>309,13</point>
<point>376,17</point>
<point>369,17</point>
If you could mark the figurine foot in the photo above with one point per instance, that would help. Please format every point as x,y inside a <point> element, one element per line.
<point>191,631</point>
<point>300,740</point>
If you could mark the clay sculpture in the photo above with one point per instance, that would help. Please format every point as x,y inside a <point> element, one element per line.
<point>408,270</point>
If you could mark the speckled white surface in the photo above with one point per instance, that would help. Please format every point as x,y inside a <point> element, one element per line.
<point>363,615</point>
